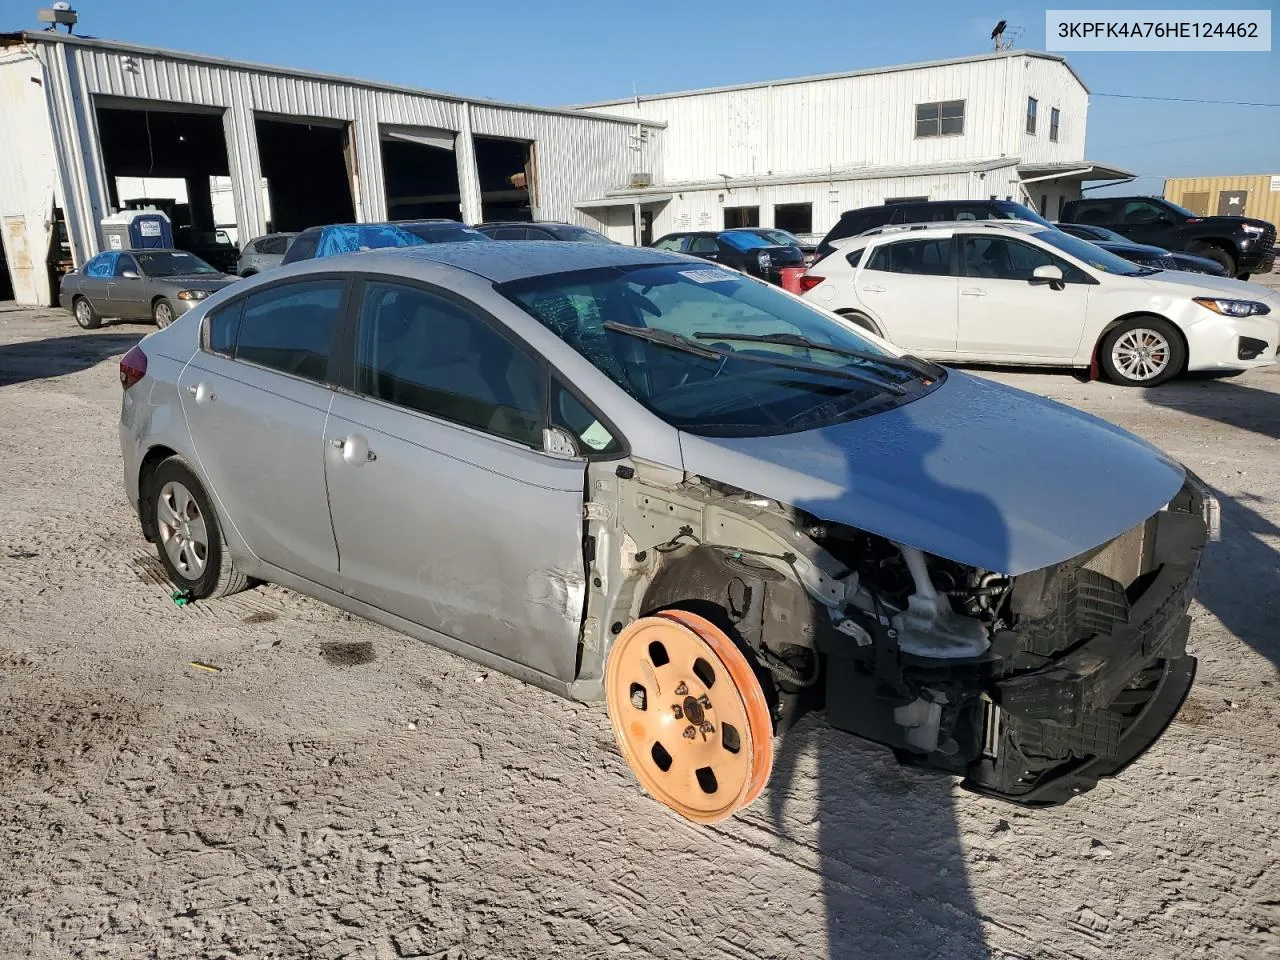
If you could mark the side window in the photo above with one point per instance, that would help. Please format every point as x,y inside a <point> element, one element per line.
<point>571,414</point>
<point>124,262</point>
<point>703,245</point>
<point>972,211</point>
<point>290,327</point>
<point>855,257</point>
<point>421,351</point>
<point>1098,211</point>
<point>509,233</point>
<point>532,233</point>
<point>303,247</point>
<point>930,257</point>
<point>222,328</point>
<point>668,243</point>
<point>1000,258</point>
<point>271,245</point>
<point>103,265</point>
<point>1143,211</point>
<point>255,246</point>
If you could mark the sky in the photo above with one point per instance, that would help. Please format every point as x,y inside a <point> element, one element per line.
<point>571,51</point>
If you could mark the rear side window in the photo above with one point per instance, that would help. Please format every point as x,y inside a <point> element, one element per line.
<point>703,245</point>
<point>222,328</point>
<point>1094,211</point>
<point>668,243</point>
<point>508,233</point>
<point>272,245</point>
<point>421,351</point>
<point>930,257</point>
<point>855,257</point>
<point>303,247</point>
<point>290,327</point>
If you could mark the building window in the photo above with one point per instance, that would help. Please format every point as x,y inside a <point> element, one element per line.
<point>793,217</point>
<point>1032,103</point>
<point>1044,204</point>
<point>1054,116</point>
<point>944,119</point>
<point>741,217</point>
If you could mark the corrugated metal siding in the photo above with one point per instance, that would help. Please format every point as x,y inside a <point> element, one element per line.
<point>1262,201</point>
<point>1053,85</point>
<point>27,176</point>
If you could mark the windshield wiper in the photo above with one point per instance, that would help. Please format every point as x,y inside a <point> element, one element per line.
<point>909,364</point>
<point>679,342</point>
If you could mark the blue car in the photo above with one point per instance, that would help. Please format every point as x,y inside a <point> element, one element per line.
<point>337,238</point>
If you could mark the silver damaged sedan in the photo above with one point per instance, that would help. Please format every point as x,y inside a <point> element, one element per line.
<point>630,476</point>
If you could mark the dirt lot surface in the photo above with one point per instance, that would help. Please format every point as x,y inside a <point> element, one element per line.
<point>338,790</point>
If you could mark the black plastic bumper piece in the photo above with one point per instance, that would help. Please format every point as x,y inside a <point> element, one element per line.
<point>1145,729</point>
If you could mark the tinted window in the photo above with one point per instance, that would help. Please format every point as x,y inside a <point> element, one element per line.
<point>508,233</point>
<point>580,235</point>
<point>533,233</point>
<point>1089,253</point>
<point>222,328</point>
<point>273,245</point>
<point>931,257</point>
<point>125,262</point>
<point>421,351</point>
<point>1002,258</point>
<point>303,247</point>
<point>855,257</point>
<point>1144,211</point>
<point>1012,210</point>
<point>1094,211</point>
<point>668,243</point>
<point>103,265</point>
<point>290,327</point>
<point>703,245</point>
<point>430,232</point>
<point>571,414</point>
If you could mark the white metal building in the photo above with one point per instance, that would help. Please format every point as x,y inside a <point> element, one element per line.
<point>79,115</point>
<point>796,153</point>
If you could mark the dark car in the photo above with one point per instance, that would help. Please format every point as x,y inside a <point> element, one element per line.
<point>1143,254</point>
<point>540,230</point>
<point>740,249</point>
<point>212,246</point>
<point>785,238</point>
<point>854,222</point>
<point>152,284</point>
<point>1243,246</point>
<point>336,238</point>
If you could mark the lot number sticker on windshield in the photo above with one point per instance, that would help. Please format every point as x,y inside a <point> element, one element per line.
<point>707,275</point>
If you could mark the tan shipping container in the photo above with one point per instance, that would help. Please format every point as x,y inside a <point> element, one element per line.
<point>1255,196</point>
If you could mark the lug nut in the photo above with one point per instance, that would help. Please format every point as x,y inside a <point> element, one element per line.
<point>690,733</point>
<point>678,711</point>
<point>682,690</point>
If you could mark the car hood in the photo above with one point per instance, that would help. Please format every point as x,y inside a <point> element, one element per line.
<point>1199,285</point>
<point>976,472</point>
<point>1130,249</point>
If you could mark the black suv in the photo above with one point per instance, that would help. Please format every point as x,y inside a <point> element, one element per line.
<point>854,222</point>
<point>1241,245</point>
<point>743,250</point>
<point>540,230</point>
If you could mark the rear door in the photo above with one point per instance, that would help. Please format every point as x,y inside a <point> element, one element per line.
<point>256,397</point>
<point>128,295</point>
<point>1144,221</point>
<point>1005,313</point>
<point>908,287</point>
<point>447,512</point>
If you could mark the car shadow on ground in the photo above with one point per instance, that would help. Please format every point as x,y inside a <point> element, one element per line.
<point>1233,404</point>
<point>59,356</point>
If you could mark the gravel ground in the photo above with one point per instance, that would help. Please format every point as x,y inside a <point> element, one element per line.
<point>332,789</point>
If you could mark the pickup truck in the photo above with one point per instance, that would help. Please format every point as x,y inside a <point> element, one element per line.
<point>1241,245</point>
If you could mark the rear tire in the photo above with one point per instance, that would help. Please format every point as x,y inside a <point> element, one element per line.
<point>188,538</point>
<point>1217,255</point>
<point>86,317</point>
<point>162,313</point>
<point>1142,352</point>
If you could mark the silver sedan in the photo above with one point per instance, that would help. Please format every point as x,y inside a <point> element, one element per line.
<point>156,285</point>
<point>628,475</point>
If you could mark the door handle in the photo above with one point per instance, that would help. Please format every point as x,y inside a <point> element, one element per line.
<point>355,449</point>
<point>873,288</point>
<point>973,292</point>
<point>202,392</point>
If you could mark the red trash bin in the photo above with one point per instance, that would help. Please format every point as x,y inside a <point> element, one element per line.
<point>791,278</point>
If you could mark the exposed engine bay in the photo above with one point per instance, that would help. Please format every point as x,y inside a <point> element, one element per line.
<point>1030,687</point>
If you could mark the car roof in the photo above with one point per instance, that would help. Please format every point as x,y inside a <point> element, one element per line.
<point>943,228</point>
<point>511,260</point>
<point>530,223</point>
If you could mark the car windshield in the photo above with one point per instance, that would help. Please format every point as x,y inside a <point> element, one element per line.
<point>715,353</point>
<point>1017,211</point>
<point>745,241</point>
<point>581,235</point>
<point>1182,210</point>
<point>176,263</point>
<point>1092,254</point>
<point>443,232</point>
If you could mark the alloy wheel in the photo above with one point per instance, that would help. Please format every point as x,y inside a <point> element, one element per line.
<point>1141,354</point>
<point>183,532</point>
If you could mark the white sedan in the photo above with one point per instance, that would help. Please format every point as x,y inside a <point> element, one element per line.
<point>1021,293</point>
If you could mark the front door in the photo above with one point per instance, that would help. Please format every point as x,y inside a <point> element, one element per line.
<point>447,513</point>
<point>1144,221</point>
<point>127,295</point>
<point>256,399</point>
<point>1006,314</point>
<point>908,288</point>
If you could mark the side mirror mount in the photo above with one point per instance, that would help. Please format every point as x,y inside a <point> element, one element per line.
<point>129,274</point>
<point>557,442</point>
<point>1050,274</point>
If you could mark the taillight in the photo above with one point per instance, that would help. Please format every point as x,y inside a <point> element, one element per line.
<point>808,281</point>
<point>133,367</point>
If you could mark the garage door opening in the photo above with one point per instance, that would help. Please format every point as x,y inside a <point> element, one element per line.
<point>421,173</point>
<point>306,166</point>
<point>508,178</point>
<point>169,160</point>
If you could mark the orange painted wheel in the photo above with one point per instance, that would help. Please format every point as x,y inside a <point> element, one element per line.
<point>689,715</point>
